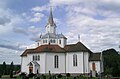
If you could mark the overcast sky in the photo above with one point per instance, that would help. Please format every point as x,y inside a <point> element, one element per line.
<point>22,21</point>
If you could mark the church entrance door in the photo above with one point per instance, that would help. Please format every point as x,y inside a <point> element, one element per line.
<point>30,69</point>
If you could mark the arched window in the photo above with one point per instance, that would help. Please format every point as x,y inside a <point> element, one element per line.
<point>74,60</point>
<point>33,57</point>
<point>38,57</point>
<point>56,61</point>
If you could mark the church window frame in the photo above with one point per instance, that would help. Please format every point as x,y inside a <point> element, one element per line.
<point>56,61</point>
<point>75,62</point>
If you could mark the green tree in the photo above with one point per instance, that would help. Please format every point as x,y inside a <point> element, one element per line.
<point>12,66</point>
<point>111,62</point>
<point>11,69</point>
<point>4,68</point>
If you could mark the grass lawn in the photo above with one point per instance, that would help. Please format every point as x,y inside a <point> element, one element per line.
<point>71,77</point>
<point>5,76</point>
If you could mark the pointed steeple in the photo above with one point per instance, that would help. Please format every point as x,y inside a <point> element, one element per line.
<point>50,20</point>
<point>51,26</point>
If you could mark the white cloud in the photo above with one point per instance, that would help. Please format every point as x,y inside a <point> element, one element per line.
<point>8,21</point>
<point>93,27</point>
<point>39,8</point>
<point>11,45</point>
<point>97,22</point>
<point>31,46</point>
<point>36,17</point>
<point>32,32</point>
<point>63,2</point>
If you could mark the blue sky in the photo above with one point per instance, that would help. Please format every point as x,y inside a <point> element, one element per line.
<point>22,22</point>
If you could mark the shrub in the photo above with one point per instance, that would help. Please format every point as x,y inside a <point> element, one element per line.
<point>59,76</point>
<point>31,75</point>
<point>38,78</point>
<point>26,77</point>
<point>0,75</point>
<point>11,74</point>
<point>22,74</point>
<point>68,74</point>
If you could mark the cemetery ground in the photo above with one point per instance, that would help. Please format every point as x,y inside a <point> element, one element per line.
<point>45,77</point>
<point>59,76</point>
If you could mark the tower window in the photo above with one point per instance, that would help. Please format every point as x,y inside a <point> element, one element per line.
<point>56,61</point>
<point>38,43</point>
<point>59,41</point>
<point>43,41</point>
<point>46,41</point>
<point>74,60</point>
<point>53,41</point>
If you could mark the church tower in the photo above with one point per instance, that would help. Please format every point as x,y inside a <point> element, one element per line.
<point>50,37</point>
<point>51,26</point>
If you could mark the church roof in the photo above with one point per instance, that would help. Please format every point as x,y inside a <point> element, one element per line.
<point>26,52</point>
<point>44,48</point>
<point>52,35</point>
<point>78,47</point>
<point>33,63</point>
<point>95,57</point>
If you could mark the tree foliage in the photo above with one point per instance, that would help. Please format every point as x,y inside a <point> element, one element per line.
<point>111,62</point>
<point>4,68</point>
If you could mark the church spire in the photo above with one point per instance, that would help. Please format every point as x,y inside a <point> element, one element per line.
<point>50,20</point>
<point>51,26</point>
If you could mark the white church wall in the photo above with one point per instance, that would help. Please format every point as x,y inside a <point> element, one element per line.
<point>63,42</point>
<point>97,65</point>
<point>24,63</point>
<point>50,63</point>
<point>86,62</point>
<point>50,29</point>
<point>41,62</point>
<point>69,63</point>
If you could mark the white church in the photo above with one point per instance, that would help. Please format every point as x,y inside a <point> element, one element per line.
<point>53,54</point>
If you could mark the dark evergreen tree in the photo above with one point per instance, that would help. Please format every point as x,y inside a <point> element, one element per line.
<point>11,69</point>
<point>4,68</point>
<point>11,66</point>
<point>111,62</point>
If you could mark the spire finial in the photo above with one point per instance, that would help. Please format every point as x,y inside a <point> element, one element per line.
<point>79,37</point>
